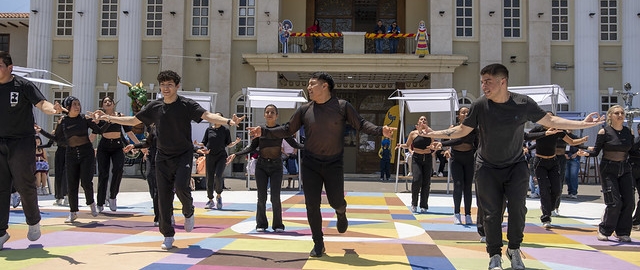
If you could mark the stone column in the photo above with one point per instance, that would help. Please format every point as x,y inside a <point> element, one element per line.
<point>173,32</point>
<point>220,54</point>
<point>85,51</point>
<point>39,51</point>
<point>539,42</point>
<point>129,50</point>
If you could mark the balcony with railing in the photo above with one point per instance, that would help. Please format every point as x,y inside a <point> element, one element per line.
<point>340,43</point>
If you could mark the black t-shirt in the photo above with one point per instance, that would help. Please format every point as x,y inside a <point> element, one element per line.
<point>17,98</point>
<point>324,126</point>
<point>501,128</point>
<point>173,124</point>
<point>216,139</point>
<point>546,145</point>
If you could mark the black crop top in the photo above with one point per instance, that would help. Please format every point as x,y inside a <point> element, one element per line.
<point>614,144</point>
<point>546,145</point>
<point>78,127</point>
<point>421,142</point>
<point>269,147</point>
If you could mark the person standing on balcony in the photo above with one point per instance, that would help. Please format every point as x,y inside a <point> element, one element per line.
<point>393,41</point>
<point>379,29</point>
<point>314,29</point>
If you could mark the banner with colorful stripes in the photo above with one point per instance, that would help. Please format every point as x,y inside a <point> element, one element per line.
<point>373,35</point>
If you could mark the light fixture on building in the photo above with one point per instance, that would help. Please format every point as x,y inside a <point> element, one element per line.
<point>540,14</point>
<point>220,11</point>
<point>267,13</point>
<point>441,13</point>
<point>560,66</point>
<point>81,13</point>
<point>198,57</point>
<point>609,63</point>
<point>151,86</point>
<point>513,59</point>
<point>126,12</point>
<point>464,93</point>
<point>592,14</point>
<point>491,13</point>
<point>610,89</point>
<point>105,86</point>
<point>173,13</point>
<point>35,11</point>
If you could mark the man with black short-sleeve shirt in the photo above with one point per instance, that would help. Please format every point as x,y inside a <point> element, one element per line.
<point>18,96</point>
<point>172,116</point>
<point>501,170</point>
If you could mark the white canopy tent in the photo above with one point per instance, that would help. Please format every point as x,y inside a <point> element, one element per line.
<point>424,100</point>
<point>37,76</point>
<point>551,95</point>
<point>282,98</point>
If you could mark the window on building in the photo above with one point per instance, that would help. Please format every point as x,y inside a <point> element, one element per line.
<point>607,101</point>
<point>609,20</point>
<point>464,18</point>
<point>64,21</point>
<point>241,129</point>
<point>246,18</point>
<point>154,17</point>
<point>200,18</point>
<point>58,96</point>
<point>109,18</point>
<point>4,42</point>
<point>560,20</point>
<point>511,18</point>
<point>464,102</point>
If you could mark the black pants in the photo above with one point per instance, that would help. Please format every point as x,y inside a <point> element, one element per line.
<point>549,184</point>
<point>618,188</point>
<point>60,184</point>
<point>462,174</point>
<point>494,185</point>
<point>152,182</point>
<point>109,155</point>
<point>173,172</point>
<point>17,168</point>
<point>385,169</point>
<point>421,185</point>
<point>269,170</point>
<point>80,162</point>
<point>317,173</point>
<point>562,169</point>
<point>215,172</point>
<point>635,172</point>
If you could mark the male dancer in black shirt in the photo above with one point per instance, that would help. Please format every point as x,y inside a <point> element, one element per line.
<point>324,120</point>
<point>501,169</point>
<point>172,116</point>
<point>18,146</point>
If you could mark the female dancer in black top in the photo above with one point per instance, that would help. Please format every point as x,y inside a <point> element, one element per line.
<point>615,141</point>
<point>421,165</point>
<point>268,172</point>
<point>110,154</point>
<point>80,157</point>
<point>462,161</point>
<point>216,139</point>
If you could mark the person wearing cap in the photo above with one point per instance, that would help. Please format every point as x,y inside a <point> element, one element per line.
<point>172,116</point>
<point>18,96</point>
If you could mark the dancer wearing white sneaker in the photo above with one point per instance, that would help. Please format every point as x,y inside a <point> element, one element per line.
<point>18,96</point>
<point>172,116</point>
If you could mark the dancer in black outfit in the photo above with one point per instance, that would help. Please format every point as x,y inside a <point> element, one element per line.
<point>268,172</point>
<point>60,182</point>
<point>501,170</point>
<point>324,120</point>
<point>80,156</point>
<point>615,140</point>
<point>18,147</point>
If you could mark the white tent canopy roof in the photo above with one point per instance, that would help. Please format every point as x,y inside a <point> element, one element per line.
<point>36,75</point>
<point>428,100</point>
<point>542,94</point>
<point>282,98</point>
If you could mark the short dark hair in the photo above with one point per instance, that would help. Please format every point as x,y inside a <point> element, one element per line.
<point>495,70</point>
<point>222,115</point>
<point>169,75</point>
<point>325,77</point>
<point>6,58</point>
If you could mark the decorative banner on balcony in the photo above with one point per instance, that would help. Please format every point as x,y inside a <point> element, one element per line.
<point>373,35</point>
<point>392,119</point>
<point>326,35</point>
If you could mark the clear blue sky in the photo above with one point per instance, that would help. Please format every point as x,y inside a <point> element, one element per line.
<point>14,6</point>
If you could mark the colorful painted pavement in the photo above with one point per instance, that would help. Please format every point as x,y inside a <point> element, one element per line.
<point>383,234</point>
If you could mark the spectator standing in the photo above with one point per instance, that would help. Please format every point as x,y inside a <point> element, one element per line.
<point>379,29</point>
<point>315,29</point>
<point>385,160</point>
<point>393,41</point>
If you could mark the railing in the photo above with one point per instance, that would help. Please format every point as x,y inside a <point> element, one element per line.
<point>334,43</point>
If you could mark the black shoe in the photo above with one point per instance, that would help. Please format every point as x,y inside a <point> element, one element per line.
<point>317,251</point>
<point>342,223</point>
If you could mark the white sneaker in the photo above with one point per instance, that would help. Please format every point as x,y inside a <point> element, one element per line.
<point>4,239</point>
<point>440,174</point>
<point>636,227</point>
<point>468,220</point>
<point>167,244</point>
<point>261,229</point>
<point>555,213</point>
<point>483,239</point>
<point>189,223</point>
<point>495,263</point>
<point>573,196</point>
<point>210,204</point>
<point>100,208</point>
<point>72,217</point>
<point>34,232</point>
<point>279,230</point>
<point>546,224</point>
<point>456,219</point>
<point>515,255</point>
<point>156,223</point>
<point>112,205</point>
<point>94,209</point>
<point>423,210</point>
<point>66,201</point>
<point>602,237</point>
<point>534,195</point>
<point>414,209</point>
<point>15,199</point>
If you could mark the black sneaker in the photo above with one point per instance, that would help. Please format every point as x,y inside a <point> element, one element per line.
<point>317,251</point>
<point>342,223</point>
